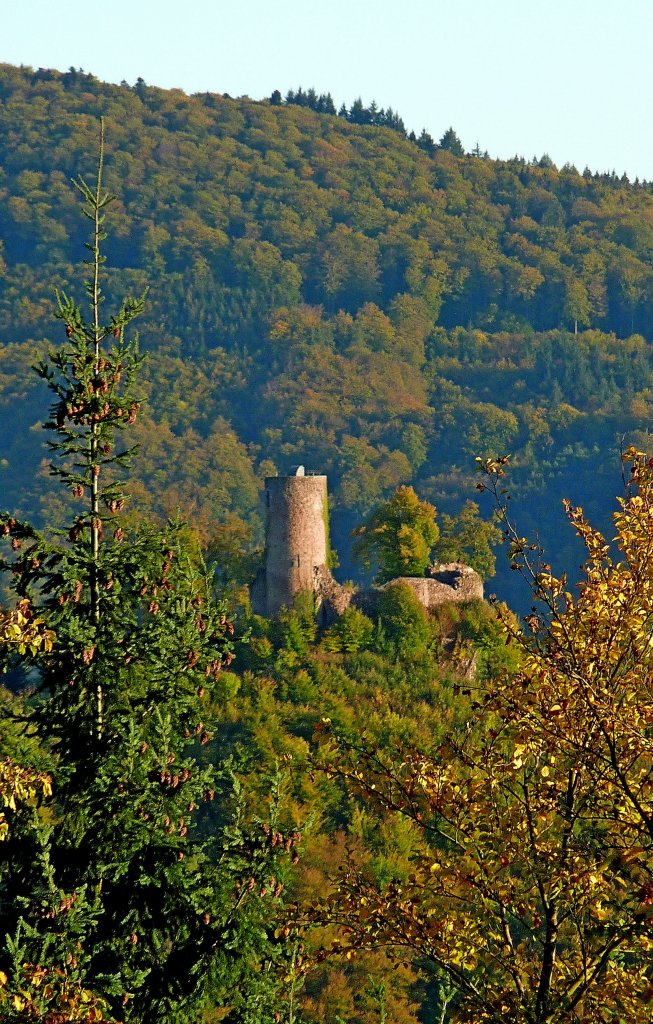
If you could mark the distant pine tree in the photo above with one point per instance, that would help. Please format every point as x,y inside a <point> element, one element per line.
<point>426,142</point>
<point>452,143</point>
<point>358,114</point>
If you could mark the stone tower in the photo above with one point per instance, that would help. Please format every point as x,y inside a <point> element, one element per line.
<point>295,536</point>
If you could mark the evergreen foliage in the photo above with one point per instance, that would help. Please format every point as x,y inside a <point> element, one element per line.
<point>122,892</point>
<point>406,626</point>
<point>452,143</point>
<point>399,677</point>
<point>358,113</point>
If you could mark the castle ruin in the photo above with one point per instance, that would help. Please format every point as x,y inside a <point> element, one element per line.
<point>295,540</point>
<point>296,557</point>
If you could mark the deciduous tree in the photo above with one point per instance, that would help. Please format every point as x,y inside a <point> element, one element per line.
<point>535,897</point>
<point>468,538</point>
<point>398,536</point>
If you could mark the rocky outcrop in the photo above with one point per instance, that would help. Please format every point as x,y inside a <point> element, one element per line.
<point>453,582</point>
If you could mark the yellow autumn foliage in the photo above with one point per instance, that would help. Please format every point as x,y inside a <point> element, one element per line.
<point>535,898</point>
<point>23,633</point>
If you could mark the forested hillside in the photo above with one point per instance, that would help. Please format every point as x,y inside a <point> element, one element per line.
<point>399,817</point>
<point>333,294</point>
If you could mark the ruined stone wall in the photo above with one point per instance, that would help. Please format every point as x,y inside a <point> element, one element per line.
<point>451,582</point>
<point>332,598</point>
<point>296,543</point>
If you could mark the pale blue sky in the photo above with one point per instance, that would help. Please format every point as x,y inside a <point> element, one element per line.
<point>572,78</point>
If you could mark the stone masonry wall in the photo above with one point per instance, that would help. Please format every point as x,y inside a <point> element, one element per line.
<point>453,581</point>
<point>295,537</point>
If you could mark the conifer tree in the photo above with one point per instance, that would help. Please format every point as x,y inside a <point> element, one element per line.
<point>426,142</point>
<point>451,142</point>
<point>125,894</point>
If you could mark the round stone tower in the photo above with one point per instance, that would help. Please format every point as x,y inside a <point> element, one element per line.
<point>295,534</point>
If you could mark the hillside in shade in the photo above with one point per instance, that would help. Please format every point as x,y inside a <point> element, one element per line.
<point>331,294</point>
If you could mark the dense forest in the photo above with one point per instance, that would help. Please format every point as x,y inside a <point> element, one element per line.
<point>333,294</point>
<point>402,816</point>
<point>162,834</point>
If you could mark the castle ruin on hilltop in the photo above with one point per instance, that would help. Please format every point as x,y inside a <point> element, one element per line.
<point>297,557</point>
